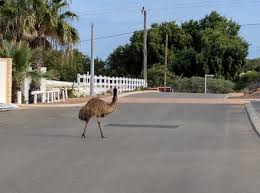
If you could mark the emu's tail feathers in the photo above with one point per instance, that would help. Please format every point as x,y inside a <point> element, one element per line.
<point>84,115</point>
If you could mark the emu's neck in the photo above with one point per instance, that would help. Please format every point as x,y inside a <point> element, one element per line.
<point>114,101</point>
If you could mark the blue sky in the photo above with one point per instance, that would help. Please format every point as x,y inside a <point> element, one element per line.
<point>120,16</point>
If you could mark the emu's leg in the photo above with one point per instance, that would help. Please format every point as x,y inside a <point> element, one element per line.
<point>102,136</point>
<point>83,134</point>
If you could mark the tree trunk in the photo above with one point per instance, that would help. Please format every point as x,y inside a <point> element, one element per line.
<point>36,65</point>
<point>15,87</point>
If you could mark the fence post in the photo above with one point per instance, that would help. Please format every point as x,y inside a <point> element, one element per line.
<point>127,84</point>
<point>113,83</point>
<point>48,97</point>
<point>85,79</point>
<point>63,94</point>
<point>108,83</point>
<point>19,97</point>
<point>35,99</point>
<point>120,84</point>
<point>66,92</point>
<point>78,85</point>
<point>130,84</point>
<point>58,92</point>
<point>52,98</point>
<point>124,84</point>
<point>116,84</point>
<point>43,97</point>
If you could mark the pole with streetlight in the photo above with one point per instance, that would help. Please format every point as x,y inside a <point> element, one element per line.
<point>210,76</point>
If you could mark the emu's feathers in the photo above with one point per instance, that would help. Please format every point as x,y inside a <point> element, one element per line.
<point>96,107</point>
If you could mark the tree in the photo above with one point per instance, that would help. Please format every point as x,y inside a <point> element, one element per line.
<point>49,21</point>
<point>156,76</point>
<point>124,61</point>
<point>78,64</point>
<point>42,23</point>
<point>252,64</point>
<point>100,67</point>
<point>2,2</point>
<point>12,20</point>
<point>210,45</point>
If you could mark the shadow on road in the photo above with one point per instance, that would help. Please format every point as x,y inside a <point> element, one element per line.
<point>144,126</point>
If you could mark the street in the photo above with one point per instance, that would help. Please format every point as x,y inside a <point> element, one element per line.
<point>150,148</point>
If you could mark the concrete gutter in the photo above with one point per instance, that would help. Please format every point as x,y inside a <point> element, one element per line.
<point>253,117</point>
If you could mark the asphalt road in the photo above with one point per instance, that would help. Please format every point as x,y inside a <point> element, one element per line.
<point>151,148</point>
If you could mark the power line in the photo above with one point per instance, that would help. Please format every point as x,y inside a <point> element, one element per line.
<point>110,36</point>
<point>126,33</point>
<point>250,24</point>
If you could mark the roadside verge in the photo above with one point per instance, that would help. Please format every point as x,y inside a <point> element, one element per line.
<point>254,117</point>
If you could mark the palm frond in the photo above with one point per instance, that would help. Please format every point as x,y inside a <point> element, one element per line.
<point>52,74</point>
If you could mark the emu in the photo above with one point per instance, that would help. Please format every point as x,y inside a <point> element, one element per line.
<point>99,109</point>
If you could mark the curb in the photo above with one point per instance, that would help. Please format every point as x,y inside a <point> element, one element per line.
<point>253,117</point>
<point>227,96</point>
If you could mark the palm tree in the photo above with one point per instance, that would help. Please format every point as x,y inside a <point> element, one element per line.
<point>12,20</point>
<point>42,23</point>
<point>22,56</point>
<point>48,25</point>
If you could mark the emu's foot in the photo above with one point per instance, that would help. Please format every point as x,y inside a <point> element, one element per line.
<point>83,135</point>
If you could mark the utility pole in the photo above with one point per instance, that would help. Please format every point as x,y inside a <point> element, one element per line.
<point>92,72</point>
<point>165,62</point>
<point>145,46</point>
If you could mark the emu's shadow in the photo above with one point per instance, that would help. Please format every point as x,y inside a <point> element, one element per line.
<point>132,125</point>
<point>52,135</point>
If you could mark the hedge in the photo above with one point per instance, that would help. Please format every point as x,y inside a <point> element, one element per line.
<point>196,85</point>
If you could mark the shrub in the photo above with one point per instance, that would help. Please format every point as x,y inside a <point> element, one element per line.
<point>249,79</point>
<point>156,76</point>
<point>196,85</point>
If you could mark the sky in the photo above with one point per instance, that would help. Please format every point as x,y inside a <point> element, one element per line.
<point>111,17</point>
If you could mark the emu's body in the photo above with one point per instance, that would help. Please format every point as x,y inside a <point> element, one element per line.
<point>99,109</point>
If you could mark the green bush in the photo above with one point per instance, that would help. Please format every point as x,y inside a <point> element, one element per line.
<point>196,85</point>
<point>247,79</point>
<point>155,76</point>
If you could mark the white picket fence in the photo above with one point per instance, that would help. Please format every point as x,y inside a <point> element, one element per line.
<point>57,91</point>
<point>106,83</point>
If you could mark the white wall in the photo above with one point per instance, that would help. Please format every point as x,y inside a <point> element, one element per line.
<point>3,79</point>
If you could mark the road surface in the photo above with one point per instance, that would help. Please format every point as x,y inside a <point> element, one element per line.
<point>151,148</point>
